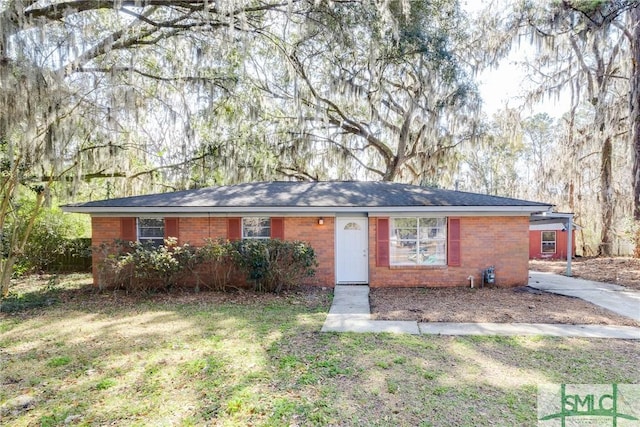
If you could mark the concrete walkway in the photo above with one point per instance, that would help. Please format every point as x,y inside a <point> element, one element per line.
<point>528,329</point>
<point>350,312</point>
<point>615,298</point>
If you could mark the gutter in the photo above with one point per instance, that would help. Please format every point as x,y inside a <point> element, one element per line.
<point>293,210</point>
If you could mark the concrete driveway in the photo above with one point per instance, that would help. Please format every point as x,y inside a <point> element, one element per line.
<point>616,298</point>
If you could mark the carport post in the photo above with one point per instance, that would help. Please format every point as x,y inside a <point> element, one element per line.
<point>569,244</point>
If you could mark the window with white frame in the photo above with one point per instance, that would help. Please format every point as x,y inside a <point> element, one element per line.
<point>151,230</point>
<point>418,241</point>
<point>256,227</point>
<point>548,242</point>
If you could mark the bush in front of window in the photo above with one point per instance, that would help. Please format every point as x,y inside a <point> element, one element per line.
<point>144,267</point>
<point>268,265</point>
<point>274,265</point>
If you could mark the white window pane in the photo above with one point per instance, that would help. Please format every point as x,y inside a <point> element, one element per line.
<point>548,241</point>
<point>151,222</point>
<point>402,255</point>
<point>151,230</point>
<point>418,241</point>
<point>256,227</point>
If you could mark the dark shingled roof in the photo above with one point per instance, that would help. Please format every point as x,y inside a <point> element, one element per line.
<point>310,195</point>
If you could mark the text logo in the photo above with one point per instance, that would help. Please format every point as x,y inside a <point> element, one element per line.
<point>568,405</point>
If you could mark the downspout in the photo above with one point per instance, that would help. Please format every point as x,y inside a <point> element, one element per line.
<point>470,278</point>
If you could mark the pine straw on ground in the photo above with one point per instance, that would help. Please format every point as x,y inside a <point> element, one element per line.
<point>511,305</point>
<point>501,305</point>
<point>617,270</point>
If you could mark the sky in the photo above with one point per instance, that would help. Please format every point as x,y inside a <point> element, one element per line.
<point>501,86</point>
<point>504,84</point>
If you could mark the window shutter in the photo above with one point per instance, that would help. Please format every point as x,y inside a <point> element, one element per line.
<point>453,256</point>
<point>382,242</point>
<point>277,228</point>
<point>172,228</point>
<point>234,228</point>
<point>128,229</point>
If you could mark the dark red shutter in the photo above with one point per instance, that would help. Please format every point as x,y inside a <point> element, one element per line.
<point>382,242</point>
<point>172,228</point>
<point>128,229</point>
<point>277,228</point>
<point>234,228</point>
<point>453,258</point>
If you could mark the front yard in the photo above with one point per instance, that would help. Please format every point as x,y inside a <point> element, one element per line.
<point>83,358</point>
<point>500,305</point>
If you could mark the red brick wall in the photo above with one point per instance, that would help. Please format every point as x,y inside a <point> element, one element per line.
<point>196,230</point>
<point>499,241</point>
<point>321,239</point>
<point>104,230</point>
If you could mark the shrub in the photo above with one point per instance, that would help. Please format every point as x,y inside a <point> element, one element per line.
<point>270,265</point>
<point>273,265</point>
<point>144,267</point>
<point>216,263</point>
<point>51,242</point>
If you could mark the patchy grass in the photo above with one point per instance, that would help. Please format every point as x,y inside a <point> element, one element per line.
<point>247,359</point>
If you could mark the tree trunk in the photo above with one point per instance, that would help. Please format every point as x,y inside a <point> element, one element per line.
<point>17,245</point>
<point>606,197</point>
<point>634,115</point>
<point>6,271</point>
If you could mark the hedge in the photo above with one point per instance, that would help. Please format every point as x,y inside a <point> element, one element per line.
<point>269,265</point>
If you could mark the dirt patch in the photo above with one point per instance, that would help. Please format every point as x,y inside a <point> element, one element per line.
<point>619,271</point>
<point>517,305</point>
<point>501,305</point>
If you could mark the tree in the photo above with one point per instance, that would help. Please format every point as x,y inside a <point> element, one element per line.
<point>76,76</point>
<point>376,103</point>
<point>539,137</point>
<point>634,114</point>
<point>491,165</point>
<point>583,46</point>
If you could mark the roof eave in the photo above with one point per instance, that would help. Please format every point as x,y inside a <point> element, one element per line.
<point>142,210</point>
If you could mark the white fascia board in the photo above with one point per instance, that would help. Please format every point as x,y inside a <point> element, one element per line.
<point>306,211</point>
<point>551,215</point>
<point>460,210</point>
<point>552,226</point>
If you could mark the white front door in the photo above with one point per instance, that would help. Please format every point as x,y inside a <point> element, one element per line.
<point>352,250</point>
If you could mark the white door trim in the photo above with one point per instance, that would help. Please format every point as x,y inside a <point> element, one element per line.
<point>352,250</point>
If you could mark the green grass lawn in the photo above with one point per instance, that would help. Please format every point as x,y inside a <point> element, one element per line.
<point>87,358</point>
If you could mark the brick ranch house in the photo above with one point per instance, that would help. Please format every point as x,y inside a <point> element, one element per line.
<point>379,233</point>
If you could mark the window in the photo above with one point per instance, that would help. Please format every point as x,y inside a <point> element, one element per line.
<point>418,241</point>
<point>151,230</point>
<point>256,227</point>
<point>548,242</point>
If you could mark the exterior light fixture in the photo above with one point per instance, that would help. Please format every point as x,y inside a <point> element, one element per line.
<point>320,221</point>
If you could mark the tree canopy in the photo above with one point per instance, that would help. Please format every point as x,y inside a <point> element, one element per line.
<point>101,99</point>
